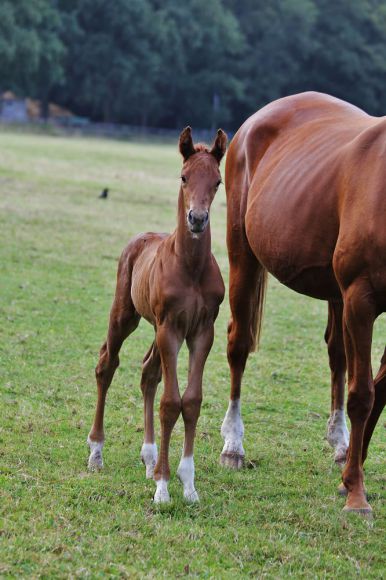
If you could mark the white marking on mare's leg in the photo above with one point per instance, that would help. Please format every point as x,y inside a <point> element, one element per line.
<point>185,472</point>
<point>95,460</point>
<point>149,457</point>
<point>161,493</point>
<point>232,431</point>
<point>338,435</point>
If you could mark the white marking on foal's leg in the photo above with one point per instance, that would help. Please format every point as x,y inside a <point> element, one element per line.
<point>185,472</point>
<point>95,460</point>
<point>161,493</point>
<point>149,457</point>
<point>338,435</point>
<point>232,431</point>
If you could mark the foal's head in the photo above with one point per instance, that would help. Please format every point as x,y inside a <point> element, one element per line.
<point>200,177</point>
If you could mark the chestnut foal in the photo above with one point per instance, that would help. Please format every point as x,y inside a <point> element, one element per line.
<point>174,282</point>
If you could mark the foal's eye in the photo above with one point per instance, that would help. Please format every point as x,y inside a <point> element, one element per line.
<point>183,178</point>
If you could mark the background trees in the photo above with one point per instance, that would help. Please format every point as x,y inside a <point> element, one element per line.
<point>168,63</point>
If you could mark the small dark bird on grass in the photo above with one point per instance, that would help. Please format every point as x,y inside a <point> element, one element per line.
<point>104,193</point>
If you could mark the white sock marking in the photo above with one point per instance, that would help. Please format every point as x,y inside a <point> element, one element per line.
<point>337,433</point>
<point>232,429</point>
<point>95,460</point>
<point>149,455</point>
<point>185,472</point>
<point>161,493</point>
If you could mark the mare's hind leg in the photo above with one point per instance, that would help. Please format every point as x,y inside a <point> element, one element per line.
<point>378,406</point>
<point>359,316</point>
<point>151,376</point>
<point>246,275</point>
<point>124,320</point>
<point>199,348</point>
<point>337,432</point>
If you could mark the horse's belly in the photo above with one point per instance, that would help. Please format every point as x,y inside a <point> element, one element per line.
<point>294,246</point>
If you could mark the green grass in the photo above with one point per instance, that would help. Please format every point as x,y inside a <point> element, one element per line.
<point>59,249</point>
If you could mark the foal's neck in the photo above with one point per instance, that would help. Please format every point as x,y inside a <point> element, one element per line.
<point>192,249</point>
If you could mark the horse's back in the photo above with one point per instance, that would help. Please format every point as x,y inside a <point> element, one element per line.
<point>288,164</point>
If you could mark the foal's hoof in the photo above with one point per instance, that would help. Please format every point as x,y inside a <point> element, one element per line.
<point>149,457</point>
<point>340,457</point>
<point>161,494</point>
<point>232,460</point>
<point>95,461</point>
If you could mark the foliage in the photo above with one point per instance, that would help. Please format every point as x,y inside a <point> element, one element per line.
<point>170,63</point>
<point>281,517</point>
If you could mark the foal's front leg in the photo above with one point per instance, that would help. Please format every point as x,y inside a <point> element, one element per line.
<point>168,343</point>
<point>199,348</point>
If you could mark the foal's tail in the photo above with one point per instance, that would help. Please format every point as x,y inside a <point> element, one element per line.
<point>258,309</point>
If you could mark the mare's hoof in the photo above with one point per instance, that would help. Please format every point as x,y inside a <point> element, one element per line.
<point>357,504</point>
<point>232,460</point>
<point>342,489</point>
<point>191,497</point>
<point>366,512</point>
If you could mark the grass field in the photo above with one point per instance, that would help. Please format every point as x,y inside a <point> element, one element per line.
<point>279,518</point>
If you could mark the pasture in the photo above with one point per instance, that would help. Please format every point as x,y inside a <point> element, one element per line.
<point>279,517</point>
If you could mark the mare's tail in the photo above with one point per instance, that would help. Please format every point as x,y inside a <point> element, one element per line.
<point>258,309</point>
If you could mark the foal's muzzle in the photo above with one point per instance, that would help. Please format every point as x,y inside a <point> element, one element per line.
<point>197,221</point>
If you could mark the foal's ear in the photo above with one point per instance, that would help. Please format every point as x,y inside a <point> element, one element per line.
<point>220,145</point>
<point>186,143</point>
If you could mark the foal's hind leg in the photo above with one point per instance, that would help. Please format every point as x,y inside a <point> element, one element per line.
<point>124,320</point>
<point>151,376</point>
<point>199,348</point>
<point>246,277</point>
<point>337,432</point>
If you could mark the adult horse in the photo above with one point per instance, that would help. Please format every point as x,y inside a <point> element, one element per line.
<point>174,282</point>
<point>306,199</point>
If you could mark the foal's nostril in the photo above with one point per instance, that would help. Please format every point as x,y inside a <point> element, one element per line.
<point>198,220</point>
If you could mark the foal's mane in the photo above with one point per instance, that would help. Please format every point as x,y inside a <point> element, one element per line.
<point>202,148</point>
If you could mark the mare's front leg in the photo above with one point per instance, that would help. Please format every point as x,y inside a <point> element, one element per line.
<point>168,343</point>
<point>246,281</point>
<point>337,432</point>
<point>359,316</point>
<point>199,348</point>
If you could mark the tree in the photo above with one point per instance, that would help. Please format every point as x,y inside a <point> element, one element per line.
<point>19,42</point>
<point>112,67</point>
<point>31,51</point>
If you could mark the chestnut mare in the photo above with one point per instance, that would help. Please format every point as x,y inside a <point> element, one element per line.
<point>174,282</point>
<point>306,198</point>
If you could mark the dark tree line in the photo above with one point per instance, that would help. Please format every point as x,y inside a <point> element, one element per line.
<point>204,62</point>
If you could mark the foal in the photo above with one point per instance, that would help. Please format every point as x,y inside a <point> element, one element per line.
<point>174,282</point>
